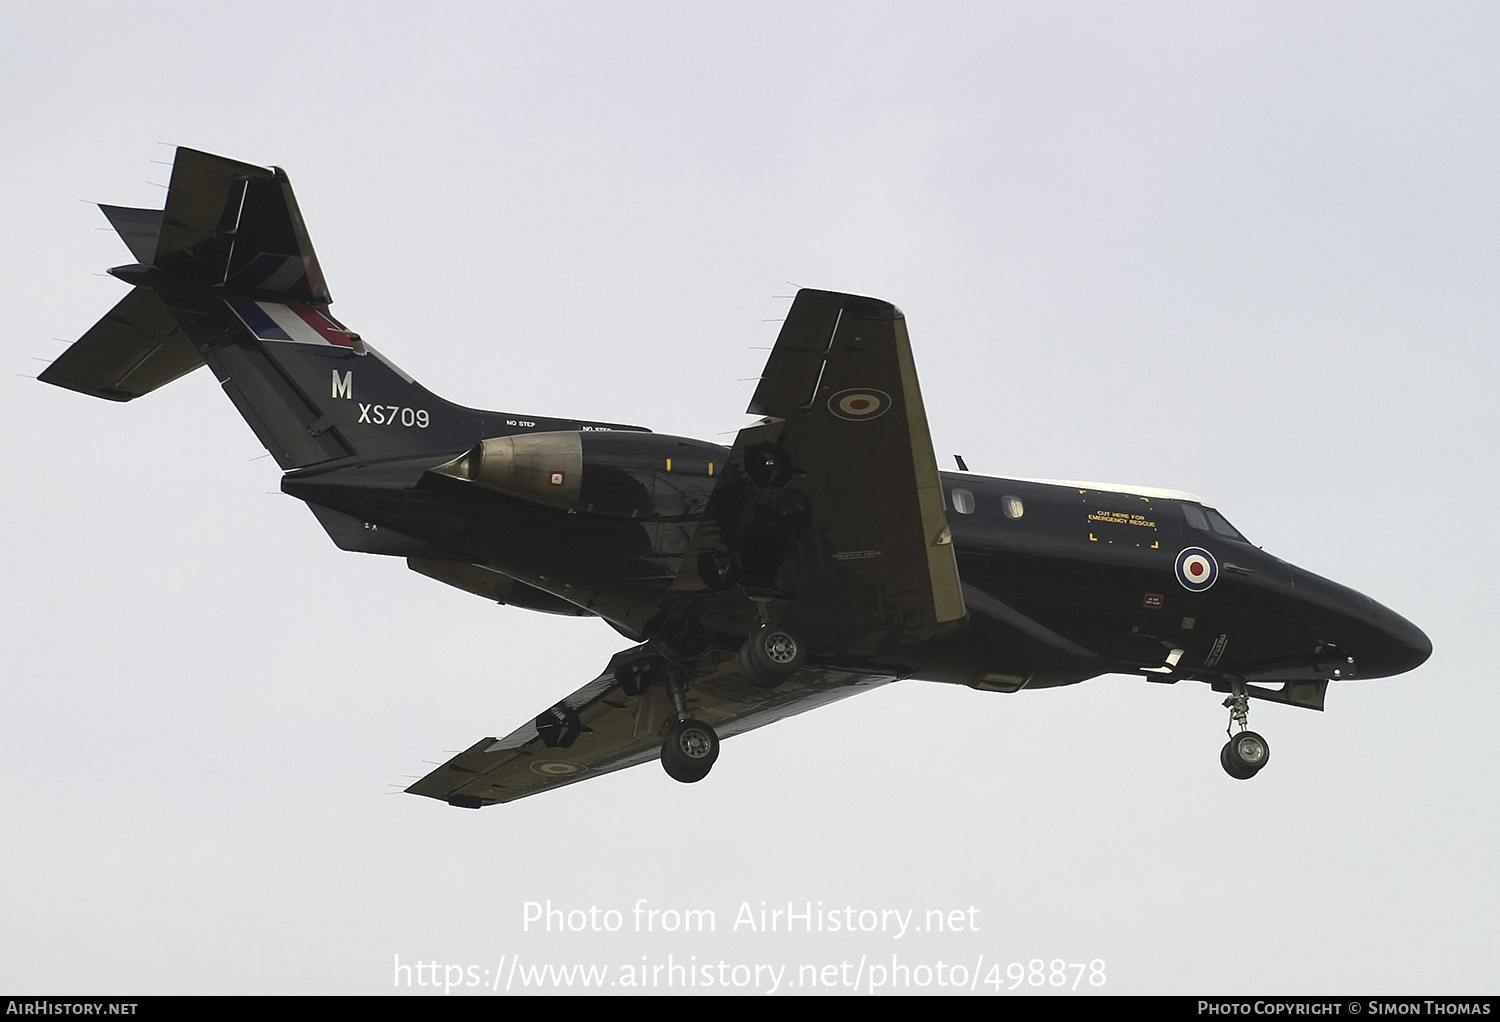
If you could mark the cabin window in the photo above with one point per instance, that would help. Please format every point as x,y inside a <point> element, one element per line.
<point>1012,506</point>
<point>963,501</point>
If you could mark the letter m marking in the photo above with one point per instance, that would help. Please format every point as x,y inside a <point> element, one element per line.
<point>343,386</point>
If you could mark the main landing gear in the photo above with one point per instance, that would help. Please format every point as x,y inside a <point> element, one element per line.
<point>1246,752</point>
<point>771,655</point>
<point>689,751</point>
<point>689,748</point>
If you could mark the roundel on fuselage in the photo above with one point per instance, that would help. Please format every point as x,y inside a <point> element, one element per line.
<point>1196,569</point>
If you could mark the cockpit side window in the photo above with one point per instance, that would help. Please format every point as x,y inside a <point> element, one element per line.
<point>1223,527</point>
<point>1194,516</point>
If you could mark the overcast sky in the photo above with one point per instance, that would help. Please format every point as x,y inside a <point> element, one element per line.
<point>1246,250</point>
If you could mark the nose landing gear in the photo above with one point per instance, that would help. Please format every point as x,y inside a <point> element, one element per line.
<point>1245,753</point>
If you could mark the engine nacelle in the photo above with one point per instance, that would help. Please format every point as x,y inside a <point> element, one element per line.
<point>627,475</point>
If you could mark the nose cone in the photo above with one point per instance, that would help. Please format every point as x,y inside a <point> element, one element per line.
<point>1404,648</point>
<point>1381,641</point>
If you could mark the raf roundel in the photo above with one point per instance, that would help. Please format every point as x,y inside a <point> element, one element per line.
<point>859,404</point>
<point>1196,569</point>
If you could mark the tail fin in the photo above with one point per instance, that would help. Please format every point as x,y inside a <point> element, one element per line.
<point>227,276</point>
<point>312,390</point>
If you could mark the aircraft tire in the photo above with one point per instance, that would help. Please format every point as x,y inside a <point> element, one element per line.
<point>1245,755</point>
<point>771,655</point>
<point>1230,768</point>
<point>689,751</point>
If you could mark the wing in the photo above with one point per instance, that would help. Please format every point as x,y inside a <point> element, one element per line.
<point>602,727</point>
<point>828,518</point>
<point>830,508</point>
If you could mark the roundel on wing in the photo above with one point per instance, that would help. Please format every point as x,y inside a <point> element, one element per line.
<point>1196,569</point>
<point>858,404</point>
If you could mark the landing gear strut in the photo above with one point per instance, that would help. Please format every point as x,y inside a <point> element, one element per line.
<point>690,746</point>
<point>771,655</point>
<point>1246,752</point>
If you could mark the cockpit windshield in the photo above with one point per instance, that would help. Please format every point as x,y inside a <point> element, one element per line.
<point>1206,519</point>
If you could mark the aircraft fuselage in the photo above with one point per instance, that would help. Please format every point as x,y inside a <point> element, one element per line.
<point>1062,582</point>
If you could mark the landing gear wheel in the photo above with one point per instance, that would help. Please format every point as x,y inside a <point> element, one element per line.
<point>1244,755</point>
<point>689,751</point>
<point>771,655</point>
<point>1230,768</point>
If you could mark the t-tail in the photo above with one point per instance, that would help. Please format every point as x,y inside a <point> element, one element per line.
<point>226,277</point>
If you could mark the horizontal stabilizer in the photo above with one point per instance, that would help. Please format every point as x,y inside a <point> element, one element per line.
<point>134,349</point>
<point>140,229</point>
<point>236,226</point>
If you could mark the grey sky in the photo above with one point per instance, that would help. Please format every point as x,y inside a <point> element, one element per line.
<point>1247,250</point>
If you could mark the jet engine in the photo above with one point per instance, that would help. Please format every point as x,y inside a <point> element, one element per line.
<point>626,475</point>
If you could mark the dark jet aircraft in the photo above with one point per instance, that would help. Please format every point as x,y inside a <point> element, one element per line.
<point>821,555</point>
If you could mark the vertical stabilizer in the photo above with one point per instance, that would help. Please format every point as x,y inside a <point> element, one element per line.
<point>227,277</point>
